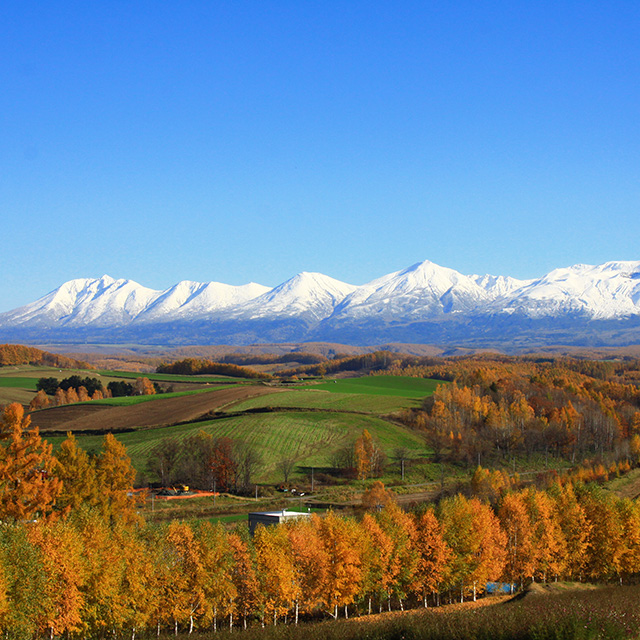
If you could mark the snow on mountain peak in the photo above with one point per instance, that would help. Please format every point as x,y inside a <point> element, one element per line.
<point>420,293</point>
<point>306,294</point>
<point>608,290</point>
<point>424,288</point>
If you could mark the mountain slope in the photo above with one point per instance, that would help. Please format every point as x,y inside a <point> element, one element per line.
<point>424,303</point>
<point>421,291</point>
<point>311,296</point>
<point>607,291</point>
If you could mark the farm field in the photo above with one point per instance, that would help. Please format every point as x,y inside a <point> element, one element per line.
<point>403,386</point>
<point>127,401</point>
<point>313,398</point>
<point>94,416</point>
<point>17,389</point>
<point>309,424</point>
<point>170,377</point>
<point>311,438</point>
<point>18,383</point>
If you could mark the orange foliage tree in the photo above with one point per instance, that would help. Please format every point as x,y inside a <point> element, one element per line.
<point>28,488</point>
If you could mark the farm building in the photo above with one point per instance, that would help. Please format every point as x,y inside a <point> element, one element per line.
<point>270,518</point>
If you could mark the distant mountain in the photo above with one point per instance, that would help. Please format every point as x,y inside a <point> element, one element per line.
<point>424,303</point>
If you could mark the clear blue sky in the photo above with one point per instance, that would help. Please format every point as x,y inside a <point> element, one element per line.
<point>248,141</point>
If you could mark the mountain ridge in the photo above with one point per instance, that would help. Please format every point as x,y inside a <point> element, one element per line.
<point>422,303</point>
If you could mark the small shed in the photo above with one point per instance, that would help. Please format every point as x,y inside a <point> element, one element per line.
<point>270,518</point>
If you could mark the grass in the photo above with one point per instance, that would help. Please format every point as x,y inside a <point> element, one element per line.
<point>18,382</point>
<point>627,486</point>
<point>320,399</point>
<point>403,386</point>
<point>606,613</point>
<point>171,377</point>
<point>127,401</point>
<point>311,438</point>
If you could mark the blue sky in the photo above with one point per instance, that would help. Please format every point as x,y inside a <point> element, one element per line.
<point>248,141</point>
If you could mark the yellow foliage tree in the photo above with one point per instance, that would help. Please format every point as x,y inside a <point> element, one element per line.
<point>310,563</point>
<point>276,571</point>
<point>39,401</point>
<point>377,497</point>
<point>144,387</point>
<point>28,489</point>
<point>434,553</point>
<point>115,477</point>
<point>377,552</point>
<point>341,539</point>
<point>78,475</point>
<point>62,561</point>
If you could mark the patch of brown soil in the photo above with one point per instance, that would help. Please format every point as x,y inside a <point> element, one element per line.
<point>155,413</point>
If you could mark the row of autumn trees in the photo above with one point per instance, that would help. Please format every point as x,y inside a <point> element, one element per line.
<point>54,393</point>
<point>87,576</point>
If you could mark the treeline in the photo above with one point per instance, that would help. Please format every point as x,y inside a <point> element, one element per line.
<point>15,354</point>
<point>85,578</point>
<point>195,366</point>
<point>204,462</point>
<point>367,362</point>
<point>300,357</point>
<point>458,368</point>
<point>54,393</point>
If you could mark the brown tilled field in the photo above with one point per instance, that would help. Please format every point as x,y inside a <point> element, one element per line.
<point>155,413</point>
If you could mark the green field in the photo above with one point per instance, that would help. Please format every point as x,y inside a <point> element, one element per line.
<point>314,398</point>
<point>311,438</point>
<point>170,377</point>
<point>127,401</point>
<point>403,386</point>
<point>18,383</point>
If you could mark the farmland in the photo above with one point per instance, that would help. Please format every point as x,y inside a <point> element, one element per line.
<point>402,386</point>
<point>311,438</point>
<point>157,412</point>
<point>310,423</point>
<point>312,398</point>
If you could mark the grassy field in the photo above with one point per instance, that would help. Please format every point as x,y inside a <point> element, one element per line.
<point>170,377</point>
<point>127,401</point>
<point>313,398</point>
<point>311,438</point>
<point>402,386</point>
<point>18,383</point>
<point>604,613</point>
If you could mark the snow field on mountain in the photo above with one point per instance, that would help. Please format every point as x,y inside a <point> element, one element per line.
<point>312,306</point>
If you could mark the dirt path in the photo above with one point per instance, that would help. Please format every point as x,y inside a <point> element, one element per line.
<point>155,413</point>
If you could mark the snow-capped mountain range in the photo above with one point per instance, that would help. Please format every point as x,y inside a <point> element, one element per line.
<point>423,303</point>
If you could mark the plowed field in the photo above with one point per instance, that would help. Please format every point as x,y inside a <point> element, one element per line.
<point>157,413</point>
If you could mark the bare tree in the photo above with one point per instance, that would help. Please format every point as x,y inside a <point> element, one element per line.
<point>286,465</point>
